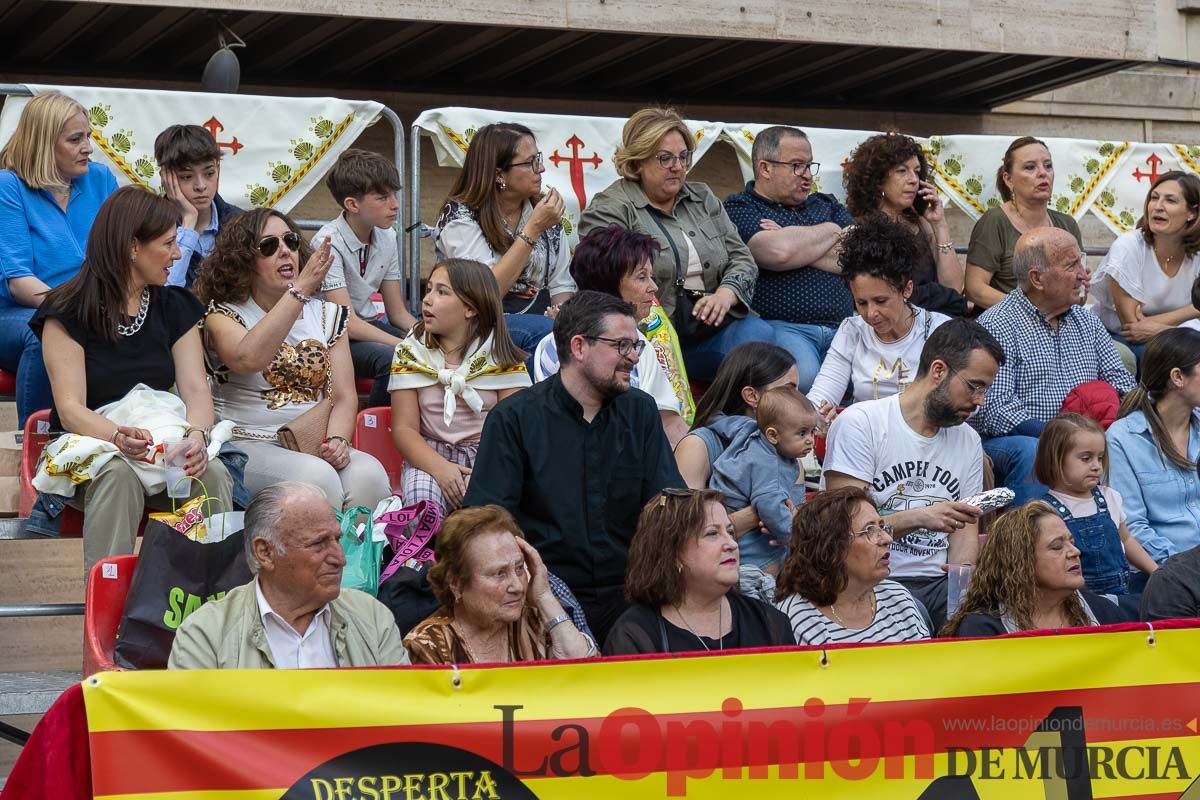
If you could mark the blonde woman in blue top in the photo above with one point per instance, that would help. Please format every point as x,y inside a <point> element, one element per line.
<point>1154,446</point>
<point>50,192</point>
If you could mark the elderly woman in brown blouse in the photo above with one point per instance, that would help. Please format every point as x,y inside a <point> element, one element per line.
<point>497,603</point>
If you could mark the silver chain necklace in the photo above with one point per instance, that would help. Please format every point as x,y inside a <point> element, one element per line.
<point>140,319</point>
<point>720,627</point>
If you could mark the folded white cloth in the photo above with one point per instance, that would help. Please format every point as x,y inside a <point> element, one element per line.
<point>72,459</point>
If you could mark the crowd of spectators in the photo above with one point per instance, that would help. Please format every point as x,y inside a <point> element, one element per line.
<point>620,438</point>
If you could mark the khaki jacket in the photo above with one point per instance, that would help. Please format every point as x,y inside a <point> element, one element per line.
<point>228,634</point>
<point>699,216</point>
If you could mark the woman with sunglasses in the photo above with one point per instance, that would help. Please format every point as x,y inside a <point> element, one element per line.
<point>833,585</point>
<point>276,351</point>
<point>682,579</point>
<point>496,214</point>
<point>112,327</point>
<point>706,266</point>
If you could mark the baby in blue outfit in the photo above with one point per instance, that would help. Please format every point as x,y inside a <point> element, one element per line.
<point>761,468</point>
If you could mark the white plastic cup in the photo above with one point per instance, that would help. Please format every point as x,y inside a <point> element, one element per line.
<point>175,453</point>
<point>959,578</point>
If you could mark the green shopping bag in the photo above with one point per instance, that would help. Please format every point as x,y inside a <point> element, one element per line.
<point>363,553</point>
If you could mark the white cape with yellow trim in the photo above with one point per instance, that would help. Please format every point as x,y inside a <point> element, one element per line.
<point>415,366</point>
<point>274,149</point>
<point>72,459</point>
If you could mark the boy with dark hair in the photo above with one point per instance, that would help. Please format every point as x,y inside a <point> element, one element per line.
<point>189,161</point>
<point>366,259</point>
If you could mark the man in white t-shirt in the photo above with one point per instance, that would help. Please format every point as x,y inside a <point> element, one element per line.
<point>918,460</point>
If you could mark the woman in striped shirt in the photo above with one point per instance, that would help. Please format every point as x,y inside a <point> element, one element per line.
<point>833,585</point>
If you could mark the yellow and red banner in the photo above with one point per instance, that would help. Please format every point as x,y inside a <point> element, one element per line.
<point>1075,716</point>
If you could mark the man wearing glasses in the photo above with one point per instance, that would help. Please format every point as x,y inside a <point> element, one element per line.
<point>918,460</point>
<point>1053,344</point>
<point>793,234</point>
<point>575,457</point>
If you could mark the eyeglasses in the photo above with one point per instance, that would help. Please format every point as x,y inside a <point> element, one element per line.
<point>799,167</point>
<point>270,244</point>
<point>534,163</point>
<point>624,346</point>
<point>669,160</point>
<point>876,532</point>
<point>976,388</point>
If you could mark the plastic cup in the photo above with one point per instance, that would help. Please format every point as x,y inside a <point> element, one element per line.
<point>174,457</point>
<point>959,577</point>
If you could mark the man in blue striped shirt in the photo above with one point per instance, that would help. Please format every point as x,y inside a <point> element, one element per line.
<point>1051,345</point>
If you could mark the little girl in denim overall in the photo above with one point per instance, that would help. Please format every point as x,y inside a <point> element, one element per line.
<point>1072,460</point>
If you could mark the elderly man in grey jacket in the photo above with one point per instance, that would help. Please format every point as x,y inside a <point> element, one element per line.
<point>294,614</point>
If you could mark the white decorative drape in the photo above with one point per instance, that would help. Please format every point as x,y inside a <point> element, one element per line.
<point>274,149</point>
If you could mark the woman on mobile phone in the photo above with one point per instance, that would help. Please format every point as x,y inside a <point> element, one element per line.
<point>887,174</point>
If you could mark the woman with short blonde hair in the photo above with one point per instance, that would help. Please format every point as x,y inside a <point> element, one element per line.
<point>708,268</point>
<point>50,192</point>
<point>641,135</point>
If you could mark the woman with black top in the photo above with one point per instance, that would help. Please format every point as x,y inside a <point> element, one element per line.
<point>887,174</point>
<point>116,325</point>
<point>682,579</point>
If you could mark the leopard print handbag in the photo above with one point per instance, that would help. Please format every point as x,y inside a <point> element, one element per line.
<point>307,432</point>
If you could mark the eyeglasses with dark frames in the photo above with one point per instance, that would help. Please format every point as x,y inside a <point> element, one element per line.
<point>534,163</point>
<point>270,244</point>
<point>799,167</point>
<point>623,346</point>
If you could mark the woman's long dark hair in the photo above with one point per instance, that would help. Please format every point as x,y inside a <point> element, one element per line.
<point>96,296</point>
<point>493,147</point>
<point>755,364</point>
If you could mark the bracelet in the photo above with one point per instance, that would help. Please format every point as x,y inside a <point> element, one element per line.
<point>113,439</point>
<point>947,247</point>
<point>345,441</point>
<point>556,621</point>
<point>203,432</point>
<point>296,293</point>
<point>521,235</point>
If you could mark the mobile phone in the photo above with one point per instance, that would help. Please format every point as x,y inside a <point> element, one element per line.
<point>920,205</point>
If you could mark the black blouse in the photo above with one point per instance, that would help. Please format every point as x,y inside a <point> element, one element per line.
<point>113,367</point>
<point>643,630</point>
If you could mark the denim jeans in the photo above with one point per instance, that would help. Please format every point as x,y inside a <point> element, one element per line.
<point>807,343</point>
<point>1012,461</point>
<point>374,360</point>
<point>526,331</point>
<point>21,352</point>
<point>704,356</point>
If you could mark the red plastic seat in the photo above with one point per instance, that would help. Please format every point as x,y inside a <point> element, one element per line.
<point>373,434</point>
<point>108,585</point>
<point>362,386</point>
<point>8,384</point>
<point>37,434</point>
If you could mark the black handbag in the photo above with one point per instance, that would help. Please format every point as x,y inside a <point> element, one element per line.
<point>687,327</point>
<point>173,577</point>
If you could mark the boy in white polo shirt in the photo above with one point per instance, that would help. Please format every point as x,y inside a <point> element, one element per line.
<point>366,259</point>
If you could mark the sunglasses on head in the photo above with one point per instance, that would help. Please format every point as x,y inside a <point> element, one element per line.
<point>270,244</point>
